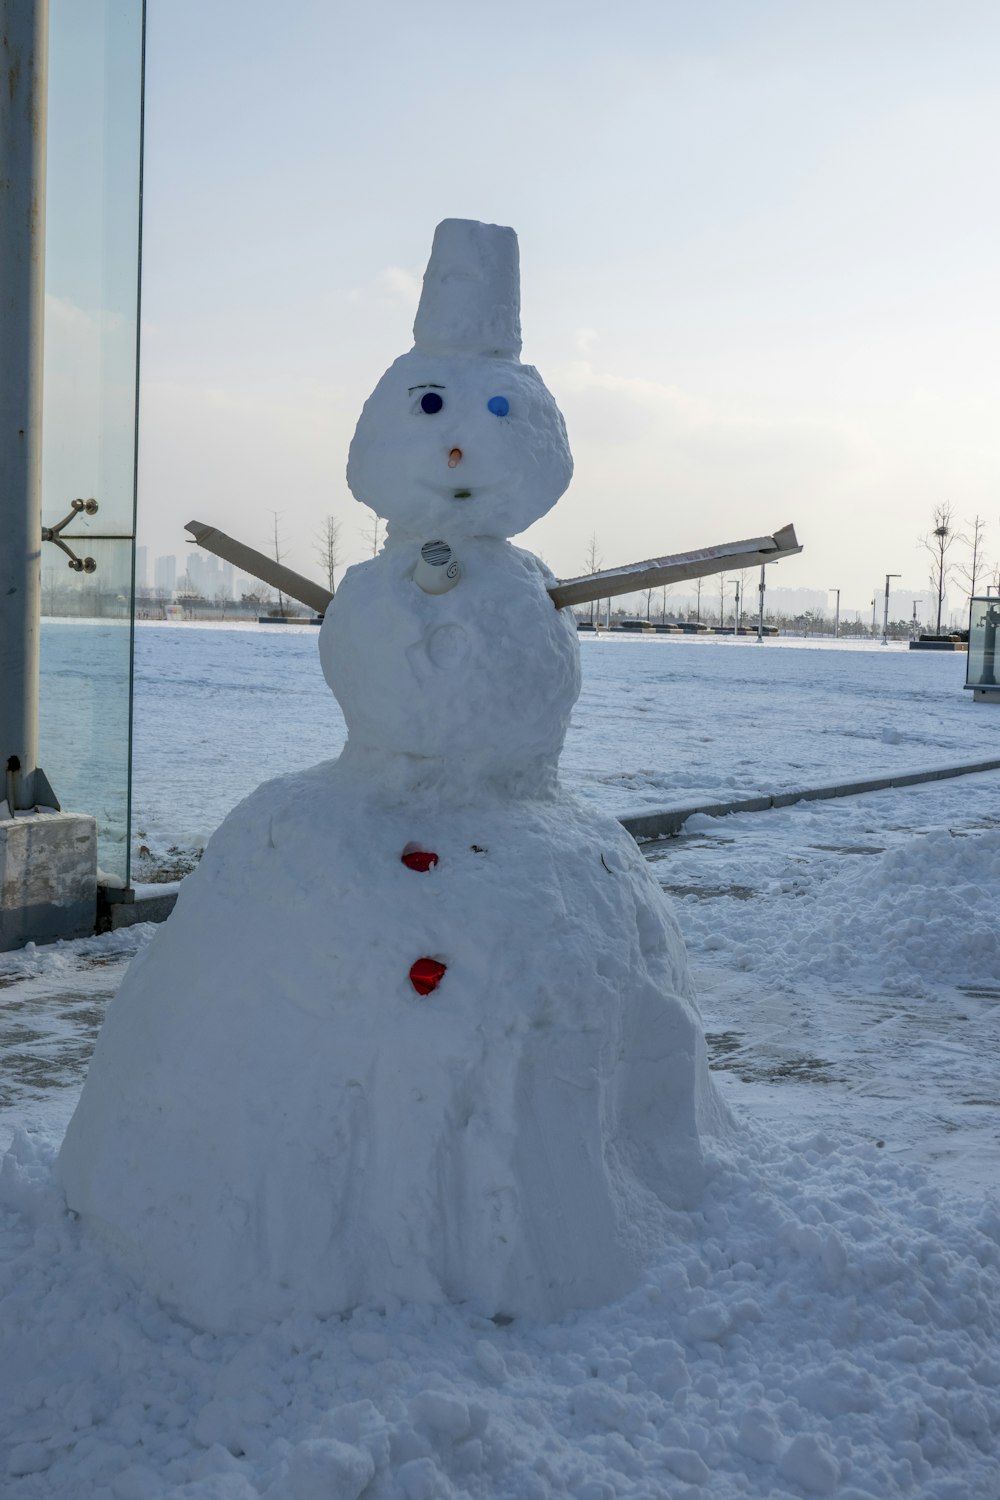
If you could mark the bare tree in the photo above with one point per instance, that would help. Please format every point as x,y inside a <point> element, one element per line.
<point>592,562</point>
<point>257,595</point>
<point>277,547</point>
<point>723,580</point>
<point>938,543</point>
<point>327,549</point>
<point>745,574</point>
<point>373,534</point>
<point>973,569</point>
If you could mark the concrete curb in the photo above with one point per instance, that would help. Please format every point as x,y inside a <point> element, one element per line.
<point>143,909</point>
<point>665,822</point>
<point>124,908</point>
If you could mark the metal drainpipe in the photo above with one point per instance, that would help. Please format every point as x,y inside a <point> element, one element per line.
<point>24,57</point>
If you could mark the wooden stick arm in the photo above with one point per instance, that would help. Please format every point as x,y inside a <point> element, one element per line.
<point>258,565</point>
<point>630,579</point>
<point>657,571</point>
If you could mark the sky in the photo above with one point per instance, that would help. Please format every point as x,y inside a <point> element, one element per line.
<point>758,248</point>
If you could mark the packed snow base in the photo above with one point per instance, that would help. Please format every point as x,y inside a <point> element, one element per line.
<point>825,1323</point>
<point>280,1122</point>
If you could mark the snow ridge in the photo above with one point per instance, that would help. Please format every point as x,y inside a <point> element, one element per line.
<point>827,1326</point>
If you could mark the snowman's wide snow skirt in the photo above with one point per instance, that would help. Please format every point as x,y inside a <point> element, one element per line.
<point>276,1120</point>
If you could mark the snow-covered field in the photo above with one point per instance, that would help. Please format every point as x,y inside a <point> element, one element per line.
<point>826,1323</point>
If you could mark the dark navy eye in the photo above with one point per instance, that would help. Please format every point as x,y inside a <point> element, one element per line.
<point>498,405</point>
<point>431,403</point>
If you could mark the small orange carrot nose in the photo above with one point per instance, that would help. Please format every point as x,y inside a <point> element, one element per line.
<point>454,458</point>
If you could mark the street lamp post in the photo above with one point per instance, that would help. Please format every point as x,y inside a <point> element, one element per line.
<point>885,616</point>
<point>836,618</point>
<point>874,601</point>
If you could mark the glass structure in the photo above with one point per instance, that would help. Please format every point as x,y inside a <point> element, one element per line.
<point>92,262</point>
<point>982,671</point>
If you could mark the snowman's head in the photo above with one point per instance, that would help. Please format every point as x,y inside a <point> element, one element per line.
<point>459,438</point>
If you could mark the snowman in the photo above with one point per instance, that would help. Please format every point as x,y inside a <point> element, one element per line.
<point>420,1026</point>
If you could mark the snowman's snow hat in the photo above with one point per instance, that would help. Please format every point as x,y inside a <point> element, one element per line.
<point>471,301</point>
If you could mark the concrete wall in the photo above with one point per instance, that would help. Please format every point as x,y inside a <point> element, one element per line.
<point>48,878</point>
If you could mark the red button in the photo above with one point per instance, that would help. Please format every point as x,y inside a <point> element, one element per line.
<point>418,859</point>
<point>426,974</point>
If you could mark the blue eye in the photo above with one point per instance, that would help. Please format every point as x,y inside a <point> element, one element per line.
<point>431,403</point>
<point>498,405</point>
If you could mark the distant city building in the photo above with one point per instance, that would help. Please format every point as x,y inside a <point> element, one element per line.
<point>114,575</point>
<point>203,574</point>
<point>165,575</point>
<point>909,604</point>
<point>141,569</point>
<point>786,601</point>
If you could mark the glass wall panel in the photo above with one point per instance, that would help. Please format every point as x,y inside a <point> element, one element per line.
<point>983,664</point>
<point>93,201</point>
<point>84,710</point>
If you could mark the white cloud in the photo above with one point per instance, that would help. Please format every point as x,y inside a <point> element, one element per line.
<point>405,285</point>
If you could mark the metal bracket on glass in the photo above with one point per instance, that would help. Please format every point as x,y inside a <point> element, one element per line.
<point>52,534</point>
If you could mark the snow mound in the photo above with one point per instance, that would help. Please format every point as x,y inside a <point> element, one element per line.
<point>919,915</point>
<point>825,1324</point>
<point>910,920</point>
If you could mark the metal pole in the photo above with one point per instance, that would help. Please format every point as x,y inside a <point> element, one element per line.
<point>23,49</point>
<point>885,616</point>
<point>836,618</point>
<point>760,606</point>
<point>873,616</point>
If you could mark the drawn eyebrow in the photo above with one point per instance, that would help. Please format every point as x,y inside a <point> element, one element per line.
<point>430,386</point>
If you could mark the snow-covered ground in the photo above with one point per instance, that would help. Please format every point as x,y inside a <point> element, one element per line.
<point>827,1323</point>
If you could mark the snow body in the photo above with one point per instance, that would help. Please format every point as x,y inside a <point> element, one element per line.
<point>477,685</point>
<point>279,1121</point>
<point>274,1119</point>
